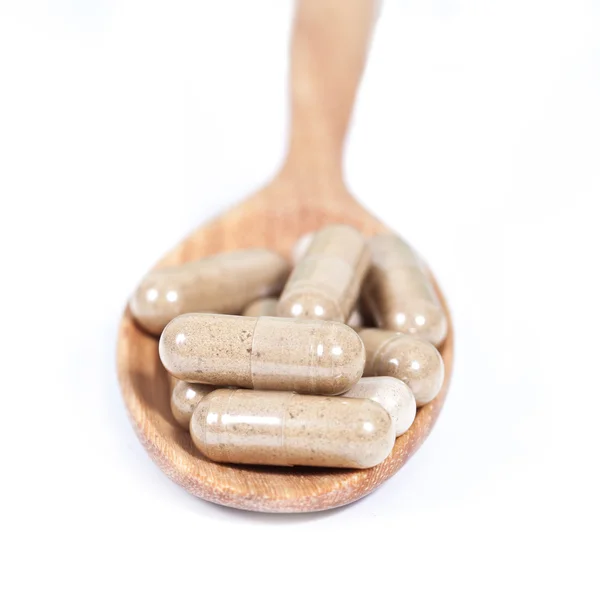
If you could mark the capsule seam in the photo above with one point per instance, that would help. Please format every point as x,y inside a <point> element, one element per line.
<point>283,445</point>
<point>252,355</point>
<point>314,359</point>
<point>313,288</point>
<point>226,443</point>
<point>331,365</point>
<point>203,427</point>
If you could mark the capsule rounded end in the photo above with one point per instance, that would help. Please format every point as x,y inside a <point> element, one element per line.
<point>174,348</point>
<point>402,399</point>
<point>185,398</point>
<point>198,424</point>
<point>309,305</point>
<point>346,354</point>
<point>420,366</point>
<point>425,321</point>
<point>151,305</point>
<point>377,435</point>
<point>391,393</point>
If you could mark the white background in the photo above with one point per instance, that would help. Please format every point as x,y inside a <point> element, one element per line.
<point>124,124</point>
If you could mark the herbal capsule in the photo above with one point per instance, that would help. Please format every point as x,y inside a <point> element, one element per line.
<point>185,398</point>
<point>410,359</point>
<point>326,282</point>
<point>267,353</point>
<point>263,307</point>
<point>223,283</point>
<point>398,292</point>
<point>393,394</point>
<point>286,429</point>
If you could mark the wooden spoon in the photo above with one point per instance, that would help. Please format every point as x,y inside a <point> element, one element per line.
<point>329,47</point>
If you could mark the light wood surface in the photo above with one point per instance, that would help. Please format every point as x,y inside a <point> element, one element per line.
<point>329,47</point>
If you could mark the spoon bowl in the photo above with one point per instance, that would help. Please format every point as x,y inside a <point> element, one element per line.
<point>328,52</point>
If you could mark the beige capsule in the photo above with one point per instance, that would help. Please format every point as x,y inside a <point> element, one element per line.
<point>410,359</point>
<point>393,394</point>
<point>269,353</point>
<point>223,283</point>
<point>286,429</point>
<point>355,320</point>
<point>263,307</point>
<point>185,398</point>
<point>325,284</point>
<point>398,292</point>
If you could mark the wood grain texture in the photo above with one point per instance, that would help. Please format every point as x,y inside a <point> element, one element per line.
<point>328,53</point>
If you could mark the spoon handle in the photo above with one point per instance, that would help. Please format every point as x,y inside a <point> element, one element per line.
<point>328,52</point>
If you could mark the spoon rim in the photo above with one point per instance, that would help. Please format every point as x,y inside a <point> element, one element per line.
<point>347,485</point>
